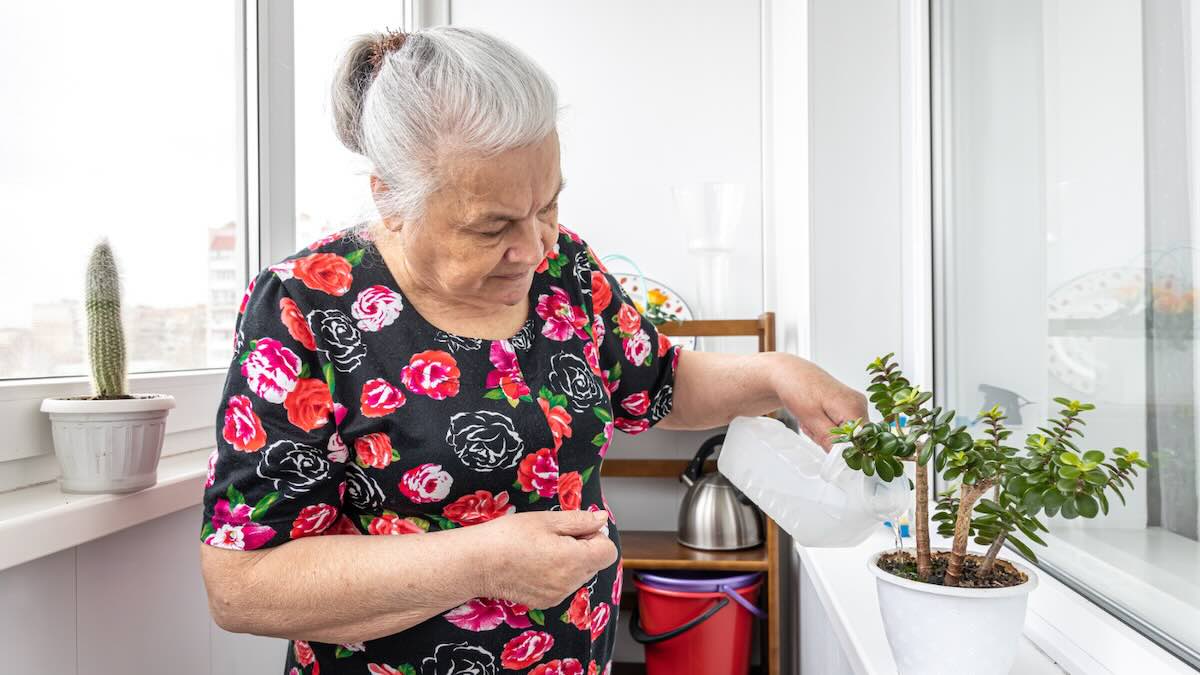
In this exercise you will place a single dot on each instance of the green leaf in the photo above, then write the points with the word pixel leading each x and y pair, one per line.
pixel 341 652
pixel 533 497
pixel 206 531
pixel 1032 501
pixel 536 616
pixel 366 521
pixel 587 473
pixel 1103 502
pixel 406 669
pixel 263 504
pixel 1068 458
pixel 925 454
pixel 602 414
pixel 234 496
pixel 1068 510
pixel 868 468
pixel 599 439
pixel 304 370
pixel 1094 456
pixel 355 257
pixel 494 394
pixel 884 468
pixel 329 378
pixel 1086 506
pixel 1065 485
pixel 1023 548
pixel 517 484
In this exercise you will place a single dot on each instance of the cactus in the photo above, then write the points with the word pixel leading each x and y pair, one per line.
pixel 106 339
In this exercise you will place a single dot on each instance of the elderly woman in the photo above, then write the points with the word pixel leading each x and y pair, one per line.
pixel 452 372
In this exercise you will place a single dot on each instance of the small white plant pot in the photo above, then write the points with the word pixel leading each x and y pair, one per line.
pixel 108 445
pixel 941 630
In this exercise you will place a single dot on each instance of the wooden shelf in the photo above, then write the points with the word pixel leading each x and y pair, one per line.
pixel 629 668
pixel 649 468
pixel 650 550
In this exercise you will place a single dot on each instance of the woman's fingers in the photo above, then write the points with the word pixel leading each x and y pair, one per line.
pixel 578 523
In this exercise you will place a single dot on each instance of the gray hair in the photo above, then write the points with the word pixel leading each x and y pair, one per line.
pixel 446 91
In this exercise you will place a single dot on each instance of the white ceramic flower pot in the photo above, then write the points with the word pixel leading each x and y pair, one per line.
pixel 936 630
pixel 108 445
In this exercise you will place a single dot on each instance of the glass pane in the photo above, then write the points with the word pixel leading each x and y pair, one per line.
pixel 1068 178
pixel 332 183
pixel 119 120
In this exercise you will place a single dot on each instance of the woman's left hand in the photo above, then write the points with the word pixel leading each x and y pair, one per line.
pixel 816 399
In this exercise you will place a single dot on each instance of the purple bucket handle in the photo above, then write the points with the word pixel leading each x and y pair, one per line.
pixel 737 597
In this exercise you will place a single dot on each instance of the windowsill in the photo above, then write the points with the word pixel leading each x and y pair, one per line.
pixel 1063 630
pixel 41 519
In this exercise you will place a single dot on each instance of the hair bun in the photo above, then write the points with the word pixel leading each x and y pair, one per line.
pixel 358 68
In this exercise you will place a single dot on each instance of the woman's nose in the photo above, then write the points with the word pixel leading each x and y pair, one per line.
pixel 531 247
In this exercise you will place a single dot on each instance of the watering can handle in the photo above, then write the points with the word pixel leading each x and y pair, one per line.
pixel 637 270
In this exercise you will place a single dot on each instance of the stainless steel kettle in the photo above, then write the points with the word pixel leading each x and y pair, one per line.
pixel 715 515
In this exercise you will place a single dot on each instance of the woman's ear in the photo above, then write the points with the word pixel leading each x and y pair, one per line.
pixel 379 192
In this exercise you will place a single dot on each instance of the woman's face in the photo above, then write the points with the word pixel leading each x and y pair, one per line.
pixel 489 226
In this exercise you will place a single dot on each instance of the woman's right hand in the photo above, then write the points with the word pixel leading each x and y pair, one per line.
pixel 542 557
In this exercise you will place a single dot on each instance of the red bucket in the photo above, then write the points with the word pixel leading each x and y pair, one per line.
pixel 696 623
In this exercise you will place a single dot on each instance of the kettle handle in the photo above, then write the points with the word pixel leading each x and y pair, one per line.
pixel 694 468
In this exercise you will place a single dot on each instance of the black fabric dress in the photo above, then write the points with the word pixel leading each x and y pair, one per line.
pixel 345 412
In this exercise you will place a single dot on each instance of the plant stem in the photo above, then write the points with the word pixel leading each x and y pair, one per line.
pixel 968 495
pixel 990 559
pixel 921 520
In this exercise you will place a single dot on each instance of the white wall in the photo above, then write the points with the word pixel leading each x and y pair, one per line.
pixel 131 603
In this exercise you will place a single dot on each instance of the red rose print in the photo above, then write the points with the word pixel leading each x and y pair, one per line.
pixel 380 397
pixel 632 426
pixel 538 472
pixel 636 404
pixel 601 293
pixel 342 526
pixel 559 667
pixel 304 653
pixel 559 420
pixel 297 327
pixel 479 507
pixel 391 523
pixel 374 450
pixel 243 429
pixel 432 373
pixel 426 483
pixel 526 649
pixel 570 487
pixel 628 319
pixel 325 272
pixel 314 519
pixel 593 669
pixel 600 619
pixel 383 669
pixel 580 611
pixel 664 344
pixel 309 405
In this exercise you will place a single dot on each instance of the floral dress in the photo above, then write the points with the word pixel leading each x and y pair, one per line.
pixel 345 412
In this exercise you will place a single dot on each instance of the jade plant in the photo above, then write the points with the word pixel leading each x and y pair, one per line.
pixel 106 338
pixel 998 491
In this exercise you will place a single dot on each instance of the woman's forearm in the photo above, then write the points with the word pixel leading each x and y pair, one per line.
pixel 344 588
pixel 712 388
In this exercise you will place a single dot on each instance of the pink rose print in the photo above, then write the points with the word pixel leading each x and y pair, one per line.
pixel 314 519
pixel 600 619
pixel 636 404
pixel 304 653
pixel 608 434
pixel 376 307
pixel 271 369
pixel 327 239
pixel 432 373
pixel 559 667
pixel 538 472
pixel 338 453
pixel 562 320
pixel 632 426
pixel 343 526
pixel 375 450
pixel 426 483
pixel 246 296
pixel 212 468
pixel 620 579
pixel 233 528
pixel 526 649
pixel 592 356
pixel 637 347
pixel 480 614
pixel 380 398
pixel 506 378
pixel 603 530
pixel 383 669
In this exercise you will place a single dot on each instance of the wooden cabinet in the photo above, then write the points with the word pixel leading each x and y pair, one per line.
pixel 654 550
